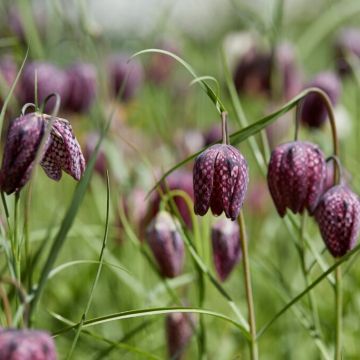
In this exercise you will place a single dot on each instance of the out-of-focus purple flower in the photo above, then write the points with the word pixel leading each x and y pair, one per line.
pixel 296 176
pixel 347 44
pixel 50 79
pixel 26 345
pixel 61 151
pixel 257 200
pixel 338 216
pixel 8 72
pixel 313 111
pixel 179 329
pixel 254 74
pixel 124 76
pixel 101 163
pixel 82 84
pixel 188 142
pixel 220 179
pixel 166 244
pixel 161 66
pixel 213 135
pixel 329 181
pixel 225 237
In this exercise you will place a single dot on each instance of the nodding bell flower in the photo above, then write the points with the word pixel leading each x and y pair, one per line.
pixel 313 111
pixel 26 345
pixel 296 176
pixel 220 178
pixel 166 244
pixel 225 237
pixel 179 329
pixel 338 216
pixel 61 151
pixel 82 87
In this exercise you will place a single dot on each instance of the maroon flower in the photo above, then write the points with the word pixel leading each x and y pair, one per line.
pixel 220 180
pixel 313 111
pixel 61 151
pixel 225 237
pixel 26 345
pixel 179 329
pixel 125 76
pixel 82 87
pixel 296 176
pixel 22 142
pixel 8 72
pixel 338 216
pixel 50 79
pixel 166 244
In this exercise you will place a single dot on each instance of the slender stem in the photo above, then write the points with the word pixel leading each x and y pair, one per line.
pixel 248 288
pixel 225 134
pixel 338 305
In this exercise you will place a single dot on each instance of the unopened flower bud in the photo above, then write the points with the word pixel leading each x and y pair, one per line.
pixel 166 244
pixel 225 237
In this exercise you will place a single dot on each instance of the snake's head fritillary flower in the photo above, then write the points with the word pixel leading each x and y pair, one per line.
pixel 347 43
pixel 179 329
pixel 82 82
pixel 124 76
pixel 296 176
pixel 49 79
pixel 338 216
pixel 313 111
pixel 22 142
pixel 26 345
pixel 166 244
pixel 225 237
pixel 63 153
pixel 220 179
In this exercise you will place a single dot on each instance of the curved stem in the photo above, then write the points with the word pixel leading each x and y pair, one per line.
pixel 338 305
pixel 248 288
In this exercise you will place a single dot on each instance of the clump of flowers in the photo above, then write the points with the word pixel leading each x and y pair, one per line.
pixel 61 151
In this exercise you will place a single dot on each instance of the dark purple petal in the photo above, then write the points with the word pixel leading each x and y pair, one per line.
pixel 338 216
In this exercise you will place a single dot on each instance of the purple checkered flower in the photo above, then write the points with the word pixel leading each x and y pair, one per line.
pixel 220 178
pixel 61 151
pixel 26 345
pixel 166 244
pixel 225 237
pixel 296 176
pixel 338 216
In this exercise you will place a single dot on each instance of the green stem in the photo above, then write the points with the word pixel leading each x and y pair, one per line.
pixel 338 306
pixel 248 288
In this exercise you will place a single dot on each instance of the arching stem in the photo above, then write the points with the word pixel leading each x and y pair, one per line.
pixel 225 134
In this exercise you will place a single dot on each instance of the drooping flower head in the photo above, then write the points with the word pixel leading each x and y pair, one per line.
pixel 220 178
pixel 61 151
pixel 166 244
pixel 313 110
pixel 82 82
pixel 296 176
pixel 338 216
pixel 225 237
pixel 26 345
